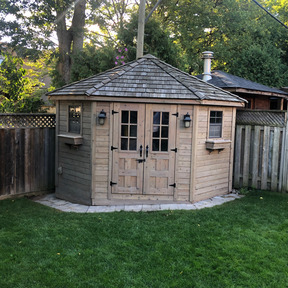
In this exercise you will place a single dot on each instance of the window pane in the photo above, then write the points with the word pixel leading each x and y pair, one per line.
pixel 155 145
pixel 164 132
pixel 165 118
pixel 215 131
pixel 133 117
pixel 156 117
pixel 164 145
pixel 156 131
pixel 133 130
pixel 74 119
pixel 133 144
pixel 124 144
pixel 125 116
pixel 124 130
pixel 215 127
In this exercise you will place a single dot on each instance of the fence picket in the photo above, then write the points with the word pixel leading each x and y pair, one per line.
pixel 246 156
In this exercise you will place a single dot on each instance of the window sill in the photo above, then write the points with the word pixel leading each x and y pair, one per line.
pixel 71 139
pixel 216 144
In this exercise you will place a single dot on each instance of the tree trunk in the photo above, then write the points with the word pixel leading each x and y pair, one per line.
pixel 71 40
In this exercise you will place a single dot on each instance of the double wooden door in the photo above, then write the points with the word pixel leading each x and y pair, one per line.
pixel 143 149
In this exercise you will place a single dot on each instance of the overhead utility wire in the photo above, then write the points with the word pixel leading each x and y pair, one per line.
pixel 270 13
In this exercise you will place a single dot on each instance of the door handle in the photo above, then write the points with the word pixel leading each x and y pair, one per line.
pixel 147 150
pixel 141 150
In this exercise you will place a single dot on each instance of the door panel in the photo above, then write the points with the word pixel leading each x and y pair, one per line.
pixel 159 172
pixel 144 135
pixel 128 136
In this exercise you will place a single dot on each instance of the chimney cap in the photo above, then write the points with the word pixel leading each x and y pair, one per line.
pixel 207 55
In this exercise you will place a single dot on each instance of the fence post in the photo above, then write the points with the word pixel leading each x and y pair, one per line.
pixel 284 162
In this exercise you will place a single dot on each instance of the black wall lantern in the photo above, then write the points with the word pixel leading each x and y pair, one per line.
pixel 187 120
pixel 102 117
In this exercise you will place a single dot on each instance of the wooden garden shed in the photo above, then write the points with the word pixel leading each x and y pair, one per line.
pixel 144 132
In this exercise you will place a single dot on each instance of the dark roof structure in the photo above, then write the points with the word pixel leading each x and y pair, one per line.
pixel 147 77
pixel 237 84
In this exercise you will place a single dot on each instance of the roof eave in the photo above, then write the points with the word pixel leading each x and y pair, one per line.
pixel 256 92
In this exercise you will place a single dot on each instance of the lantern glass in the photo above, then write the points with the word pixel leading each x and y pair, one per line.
pixel 187 120
pixel 102 117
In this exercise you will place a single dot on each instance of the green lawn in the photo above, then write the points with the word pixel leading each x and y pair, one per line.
pixel 243 243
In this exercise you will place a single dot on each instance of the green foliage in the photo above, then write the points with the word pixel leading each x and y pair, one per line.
pixel 242 243
pixel 261 64
pixel 157 41
pixel 17 89
pixel 236 31
pixel 92 61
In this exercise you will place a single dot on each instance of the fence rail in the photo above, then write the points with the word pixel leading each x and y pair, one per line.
pixel 27 155
pixel 260 145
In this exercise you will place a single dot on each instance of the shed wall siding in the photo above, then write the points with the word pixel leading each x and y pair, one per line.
pixel 101 166
pixel 74 184
pixel 183 156
pixel 213 169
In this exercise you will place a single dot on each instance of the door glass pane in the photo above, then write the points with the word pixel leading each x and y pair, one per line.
pixel 164 132
pixel 160 123
pixel 165 118
pixel 129 130
pixel 156 117
pixel 125 116
pixel 124 144
pixel 156 131
pixel 124 130
pixel 133 131
pixel 155 145
pixel 164 145
pixel 133 144
pixel 133 117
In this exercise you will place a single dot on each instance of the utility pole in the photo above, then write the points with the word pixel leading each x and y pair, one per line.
pixel 141 26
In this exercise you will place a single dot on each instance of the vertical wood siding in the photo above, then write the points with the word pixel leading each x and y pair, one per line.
pixel 212 169
pixel 74 183
pixel 100 151
pixel 183 156
pixel 26 161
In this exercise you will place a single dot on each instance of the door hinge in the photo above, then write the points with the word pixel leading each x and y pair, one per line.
pixel 175 150
pixel 112 183
pixel 113 148
pixel 114 112
pixel 176 114
pixel 173 185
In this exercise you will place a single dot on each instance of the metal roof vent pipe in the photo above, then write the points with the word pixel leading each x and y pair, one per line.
pixel 207 56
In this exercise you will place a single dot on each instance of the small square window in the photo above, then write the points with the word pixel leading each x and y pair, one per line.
pixel 215 126
pixel 74 125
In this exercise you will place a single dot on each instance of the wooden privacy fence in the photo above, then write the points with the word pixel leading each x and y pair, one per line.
pixel 27 154
pixel 260 158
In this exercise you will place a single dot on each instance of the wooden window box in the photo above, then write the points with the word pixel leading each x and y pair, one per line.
pixel 71 139
pixel 216 144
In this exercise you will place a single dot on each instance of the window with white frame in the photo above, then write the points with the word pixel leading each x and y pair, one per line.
pixel 215 126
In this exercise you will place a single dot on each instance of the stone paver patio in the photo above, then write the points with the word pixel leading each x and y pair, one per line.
pixel 65 206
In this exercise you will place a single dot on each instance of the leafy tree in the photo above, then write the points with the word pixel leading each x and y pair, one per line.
pixel 230 29
pixel 16 90
pixel 35 21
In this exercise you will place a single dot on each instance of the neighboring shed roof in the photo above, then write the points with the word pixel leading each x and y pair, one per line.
pixel 225 81
pixel 147 77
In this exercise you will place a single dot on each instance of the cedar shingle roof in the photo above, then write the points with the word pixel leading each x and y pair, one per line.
pixel 147 77
pixel 225 80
